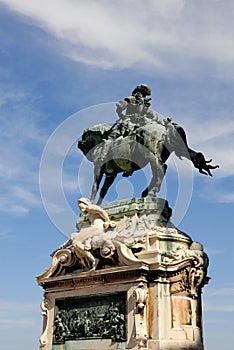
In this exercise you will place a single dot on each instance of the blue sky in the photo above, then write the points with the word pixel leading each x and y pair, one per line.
pixel 63 64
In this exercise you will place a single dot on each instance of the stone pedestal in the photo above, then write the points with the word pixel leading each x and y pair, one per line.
pixel 135 285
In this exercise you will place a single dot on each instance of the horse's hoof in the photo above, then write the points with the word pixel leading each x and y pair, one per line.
pixel 144 194
pixel 127 173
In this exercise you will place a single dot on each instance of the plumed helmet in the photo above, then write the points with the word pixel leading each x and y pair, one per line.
pixel 143 89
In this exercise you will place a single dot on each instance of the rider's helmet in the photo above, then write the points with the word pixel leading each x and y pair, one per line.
pixel 143 89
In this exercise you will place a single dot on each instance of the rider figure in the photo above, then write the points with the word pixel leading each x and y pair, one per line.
pixel 137 113
pixel 137 110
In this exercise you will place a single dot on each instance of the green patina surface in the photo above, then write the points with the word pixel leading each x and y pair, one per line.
pixel 96 317
pixel 150 205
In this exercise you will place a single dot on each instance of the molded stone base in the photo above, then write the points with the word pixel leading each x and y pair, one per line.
pixel 153 282
pixel 174 345
pixel 100 344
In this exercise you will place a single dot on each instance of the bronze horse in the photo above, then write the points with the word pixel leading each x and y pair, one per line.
pixel 151 144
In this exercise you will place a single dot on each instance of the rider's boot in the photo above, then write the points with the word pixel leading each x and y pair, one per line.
pixel 104 151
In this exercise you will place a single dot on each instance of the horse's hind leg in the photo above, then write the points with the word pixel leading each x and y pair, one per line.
pixel 158 171
pixel 107 183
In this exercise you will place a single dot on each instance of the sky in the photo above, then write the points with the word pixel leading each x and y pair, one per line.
pixel 63 66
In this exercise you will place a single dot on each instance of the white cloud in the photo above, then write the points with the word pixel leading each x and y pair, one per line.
pixel 9 96
pixel 227 197
pixel 219 300
pixel 213 251
pixel 167 34
pixel 19 323
pixel 19 199
pixel 218 308
pixel 16 314
pixel 214 138
pixel 15 306
pixel 9 207
pixel 20 141
pixel 227 291
pixel 25 195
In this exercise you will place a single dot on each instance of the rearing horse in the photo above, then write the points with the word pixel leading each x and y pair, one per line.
pixel 149 144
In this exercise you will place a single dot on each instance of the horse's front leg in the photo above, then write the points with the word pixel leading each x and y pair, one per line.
pixel 98 173
pixel 107 183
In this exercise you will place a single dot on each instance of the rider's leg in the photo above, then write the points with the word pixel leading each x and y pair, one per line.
pixel 104 151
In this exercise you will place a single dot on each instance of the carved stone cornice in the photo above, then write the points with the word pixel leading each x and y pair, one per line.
pixel 100 277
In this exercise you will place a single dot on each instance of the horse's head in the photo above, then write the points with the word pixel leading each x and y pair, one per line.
pixel 92 137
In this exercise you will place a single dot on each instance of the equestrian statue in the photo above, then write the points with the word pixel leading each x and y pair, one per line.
pixel 139 137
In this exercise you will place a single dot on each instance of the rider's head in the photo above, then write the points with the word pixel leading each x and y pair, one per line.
pixel 143 89
pixel 83 204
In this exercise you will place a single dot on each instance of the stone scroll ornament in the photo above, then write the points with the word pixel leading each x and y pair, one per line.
pixel 141 296
pixel 193 276
pixel 44 312
pixel 139 137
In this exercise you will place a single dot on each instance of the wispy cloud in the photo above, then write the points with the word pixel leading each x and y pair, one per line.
pixel 17 315
pixel 9 96
pixel 165 35
pixel 18 199
pixel 8 306
pixel 214 136
pixel 225 197
pixel 218 308
pixel 20 140
pixel 19 323
pixel 168 34
pixel 219 189
pixel 227 291
pixel 213 251
pixel 219 300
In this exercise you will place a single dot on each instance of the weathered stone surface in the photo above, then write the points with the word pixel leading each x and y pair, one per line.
pixel 140 261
